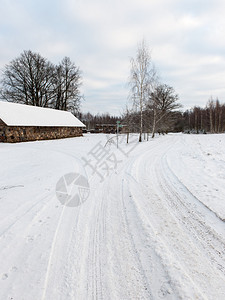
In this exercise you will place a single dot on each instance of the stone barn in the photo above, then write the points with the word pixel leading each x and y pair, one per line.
pixel 20 123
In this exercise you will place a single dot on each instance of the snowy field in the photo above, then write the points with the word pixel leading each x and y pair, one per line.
pixel 81 219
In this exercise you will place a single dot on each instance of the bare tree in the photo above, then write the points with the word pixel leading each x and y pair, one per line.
pixel 142 76
pixel 31 79
pixel 28 80
pixel 162 104
pixel 67 86
pixel 211 111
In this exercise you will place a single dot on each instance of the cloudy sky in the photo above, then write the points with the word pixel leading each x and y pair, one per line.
pixel 186 38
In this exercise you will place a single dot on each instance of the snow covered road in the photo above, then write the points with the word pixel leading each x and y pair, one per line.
pixel 151 228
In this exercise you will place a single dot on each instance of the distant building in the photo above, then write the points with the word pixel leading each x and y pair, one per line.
pixel 105 128
pixel 20 123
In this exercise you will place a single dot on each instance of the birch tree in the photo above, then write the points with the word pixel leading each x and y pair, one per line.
pixel 142 76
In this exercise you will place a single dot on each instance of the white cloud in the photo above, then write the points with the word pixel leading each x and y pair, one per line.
pixel 186 38
pixel 53 49
pixel 188 22
pixel 95 84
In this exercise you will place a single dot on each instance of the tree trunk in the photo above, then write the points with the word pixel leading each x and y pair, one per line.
pixel 141 125
pixel 220 118
pixel 211 119
pixel 154 124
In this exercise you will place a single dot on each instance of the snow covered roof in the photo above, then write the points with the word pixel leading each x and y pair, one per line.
pixel 14 114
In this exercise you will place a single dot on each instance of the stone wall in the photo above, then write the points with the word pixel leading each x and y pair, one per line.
pixel 2 123
pixel 14 134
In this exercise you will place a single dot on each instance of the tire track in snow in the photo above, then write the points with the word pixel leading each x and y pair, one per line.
pixel 94 257
pixel 187 204
pixel 166 225
pixel 146 277
pixel 149 266
pixel 119 273
pixel 127 269
pixel 51 255
pixel 173 271
pixel 132 237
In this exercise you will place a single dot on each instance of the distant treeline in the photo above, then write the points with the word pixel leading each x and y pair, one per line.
pixel 209 119
pixel 91 120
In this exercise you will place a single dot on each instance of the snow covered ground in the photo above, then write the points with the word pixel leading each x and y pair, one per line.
pixel 150 223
